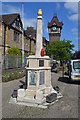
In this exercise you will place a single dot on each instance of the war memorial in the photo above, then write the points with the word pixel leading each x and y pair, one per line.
pixel 39 91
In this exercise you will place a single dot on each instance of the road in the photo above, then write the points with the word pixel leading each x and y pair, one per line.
pixel 66 107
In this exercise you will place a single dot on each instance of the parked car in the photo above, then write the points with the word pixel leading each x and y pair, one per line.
pixel 73 70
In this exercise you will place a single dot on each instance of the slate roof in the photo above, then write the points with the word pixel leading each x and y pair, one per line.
pixel 30 32
pixel 45 42
pixel 9 18
pixel 55 20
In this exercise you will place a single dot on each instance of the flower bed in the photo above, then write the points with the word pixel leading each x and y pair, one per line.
pixel 7 76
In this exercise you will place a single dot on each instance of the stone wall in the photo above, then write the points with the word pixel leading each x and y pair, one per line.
pixel 10 38
pixel 0 53
pixel 28 45
pixel 33 46
pixel 54 37
pixel 11 41
pixel 3 34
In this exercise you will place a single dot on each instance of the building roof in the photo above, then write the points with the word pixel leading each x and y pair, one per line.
pixel 55 20
pixel 8 19
pixel 45 42
pixel 30 32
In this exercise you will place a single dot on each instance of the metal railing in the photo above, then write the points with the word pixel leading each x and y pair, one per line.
pixel 11 61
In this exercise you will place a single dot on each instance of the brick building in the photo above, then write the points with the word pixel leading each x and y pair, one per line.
pixel 54 29
pixel 30 42
pixel 30 32
pixel 11 32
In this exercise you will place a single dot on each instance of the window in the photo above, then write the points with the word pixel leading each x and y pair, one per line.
pixel 16 36
pixel 76 65
pixel 17 23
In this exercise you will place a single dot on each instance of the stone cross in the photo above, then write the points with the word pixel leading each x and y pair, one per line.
pixel 39 34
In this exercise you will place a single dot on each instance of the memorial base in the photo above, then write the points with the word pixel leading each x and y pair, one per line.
pixel 39 101
pixel 38 84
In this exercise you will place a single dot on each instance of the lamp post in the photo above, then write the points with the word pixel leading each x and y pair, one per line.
pixel 23 36
pixel 26 72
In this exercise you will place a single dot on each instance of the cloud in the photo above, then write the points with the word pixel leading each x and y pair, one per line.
pixel 7 9
pixel 73 17
pixel 75 31
pixel 72 8
pixel 29 22
pixel 57 5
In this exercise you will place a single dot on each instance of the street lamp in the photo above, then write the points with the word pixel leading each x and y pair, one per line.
pixel 23 36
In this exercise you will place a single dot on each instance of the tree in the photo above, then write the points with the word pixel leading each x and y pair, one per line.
pixel 14 51
pixel 61 50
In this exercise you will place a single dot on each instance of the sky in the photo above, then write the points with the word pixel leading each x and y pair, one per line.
pixel 67 12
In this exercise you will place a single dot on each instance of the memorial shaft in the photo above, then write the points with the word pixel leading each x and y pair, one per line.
pixel 39 34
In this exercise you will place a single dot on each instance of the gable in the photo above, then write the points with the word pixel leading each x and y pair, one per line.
pixel 8 19
pixel 54 22
pixel 17 23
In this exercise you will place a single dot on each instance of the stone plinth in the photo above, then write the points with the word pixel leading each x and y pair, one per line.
pixel 39 79
pixel 39 73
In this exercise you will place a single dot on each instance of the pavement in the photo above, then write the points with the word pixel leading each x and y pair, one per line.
pixel 66 107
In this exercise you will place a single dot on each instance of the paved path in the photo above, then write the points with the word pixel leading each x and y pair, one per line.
pixel 66 107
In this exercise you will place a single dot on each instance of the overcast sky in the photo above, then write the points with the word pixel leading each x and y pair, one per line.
pixel 67 12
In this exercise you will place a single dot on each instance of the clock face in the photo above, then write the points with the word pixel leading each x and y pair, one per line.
pixel 54 28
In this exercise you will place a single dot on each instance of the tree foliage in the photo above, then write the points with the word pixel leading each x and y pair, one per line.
pixel 14 51
pixel 61 50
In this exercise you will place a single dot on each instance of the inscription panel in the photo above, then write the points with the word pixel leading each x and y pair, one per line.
pixel 32 78
pixel 41 63
pixel 41 77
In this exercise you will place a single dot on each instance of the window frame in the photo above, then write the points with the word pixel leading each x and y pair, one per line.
pixel 17 36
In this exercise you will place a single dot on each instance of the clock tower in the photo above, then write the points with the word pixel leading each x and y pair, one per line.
pixel 54 29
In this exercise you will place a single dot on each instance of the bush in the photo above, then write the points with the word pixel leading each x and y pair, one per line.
pixel 11 76
pixel 26 54
pixel 6 77
pixel 14 51
pixel 33 53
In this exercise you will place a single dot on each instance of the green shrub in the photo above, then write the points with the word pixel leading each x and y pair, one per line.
pixel 14 51
pixel 7 75
pixel 33 53
pixel 26 54
pixel 11 76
